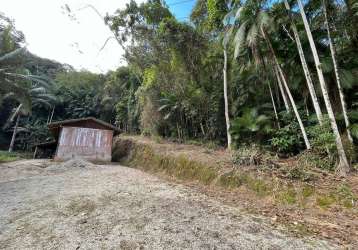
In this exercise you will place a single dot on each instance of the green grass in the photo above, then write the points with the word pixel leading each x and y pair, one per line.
pixel 7 157
pixel 181 167
pixel 307 191
pixel 289 196
pixel 325 201
pixel 345 196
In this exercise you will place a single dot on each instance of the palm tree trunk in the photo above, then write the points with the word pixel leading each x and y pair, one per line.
pixel 227 118
pixel 53 111
pixel 283 94
pixel 12 143
pixel 343 166
pixel 274 106
pixel 340 90
pixel 311 88
pixel 298 117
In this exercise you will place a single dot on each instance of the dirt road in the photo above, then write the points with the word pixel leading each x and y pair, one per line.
pixel 114 207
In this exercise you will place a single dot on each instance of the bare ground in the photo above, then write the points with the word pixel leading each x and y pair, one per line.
pixel 49 206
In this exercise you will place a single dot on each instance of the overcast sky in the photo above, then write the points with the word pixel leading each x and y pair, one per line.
pixel 50 33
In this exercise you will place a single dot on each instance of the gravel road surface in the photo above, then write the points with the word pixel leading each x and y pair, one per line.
pixel 74 205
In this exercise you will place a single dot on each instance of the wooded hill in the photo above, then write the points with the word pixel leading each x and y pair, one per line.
pixel 281 75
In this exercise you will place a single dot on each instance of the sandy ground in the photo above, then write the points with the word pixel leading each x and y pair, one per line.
pixel 49 206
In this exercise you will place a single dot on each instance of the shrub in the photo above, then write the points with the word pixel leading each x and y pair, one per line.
pixel 322 138
pixel 287 140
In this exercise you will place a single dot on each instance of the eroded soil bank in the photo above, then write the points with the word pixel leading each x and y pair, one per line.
pixel 115 207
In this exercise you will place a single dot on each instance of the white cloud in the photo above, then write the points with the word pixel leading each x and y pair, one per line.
pixel 50 33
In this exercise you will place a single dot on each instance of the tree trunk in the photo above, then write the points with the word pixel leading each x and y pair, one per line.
pixel 284 97
pixel 311 88
pixel 52 112
pixel 343 166
pixel 298 117
pixel 335 65
pixel 274 106
pixel 227 118
pixel 12 143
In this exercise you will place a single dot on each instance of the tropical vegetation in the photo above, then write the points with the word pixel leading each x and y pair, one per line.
pixel 278 74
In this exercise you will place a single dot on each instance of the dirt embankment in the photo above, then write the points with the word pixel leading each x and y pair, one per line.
pixel 77 205
pixel 324 206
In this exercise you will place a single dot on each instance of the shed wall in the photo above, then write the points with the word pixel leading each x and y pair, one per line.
pixel 88 143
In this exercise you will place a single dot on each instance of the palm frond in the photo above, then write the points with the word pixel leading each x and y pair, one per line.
pixel 239 38
pixel 227 36
pixel 251 37
pixel 12 54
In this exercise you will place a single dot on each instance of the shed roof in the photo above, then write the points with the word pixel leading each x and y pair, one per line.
pixel 88 122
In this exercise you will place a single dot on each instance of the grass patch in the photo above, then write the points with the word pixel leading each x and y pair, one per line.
pixel 5 156
pixel 307 191
pixel 181 167
pixel 259 186
pixel 143 156
pixel 325 201
pixel 233 179
pixel 289 196
pixel 345 196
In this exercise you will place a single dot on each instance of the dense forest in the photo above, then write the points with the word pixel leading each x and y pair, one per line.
pixel 280 75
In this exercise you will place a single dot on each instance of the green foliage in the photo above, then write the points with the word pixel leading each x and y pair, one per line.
pixel 173 84
pixel 5 156
pixel 216 9
pixel 322 138
pixel 250 124
pixel 8 157
pixel 287 140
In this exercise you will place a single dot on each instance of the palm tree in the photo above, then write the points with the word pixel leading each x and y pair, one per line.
pixel 311 88
pixel 38 96
pixel 251 25
pixel 282 91
pixel 227 118
pixel 343 166
pixel 335 66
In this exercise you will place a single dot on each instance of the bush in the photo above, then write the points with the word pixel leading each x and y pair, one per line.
pixel 322 138
pixel 287 140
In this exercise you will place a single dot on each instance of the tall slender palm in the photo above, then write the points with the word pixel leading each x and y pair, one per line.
pixel 250 26
pixel 306 71
pixel 335 65
pixel 282 91
pixel 343 166
pixel 227 117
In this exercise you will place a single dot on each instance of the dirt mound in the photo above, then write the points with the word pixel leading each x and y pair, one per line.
pixel 71 164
